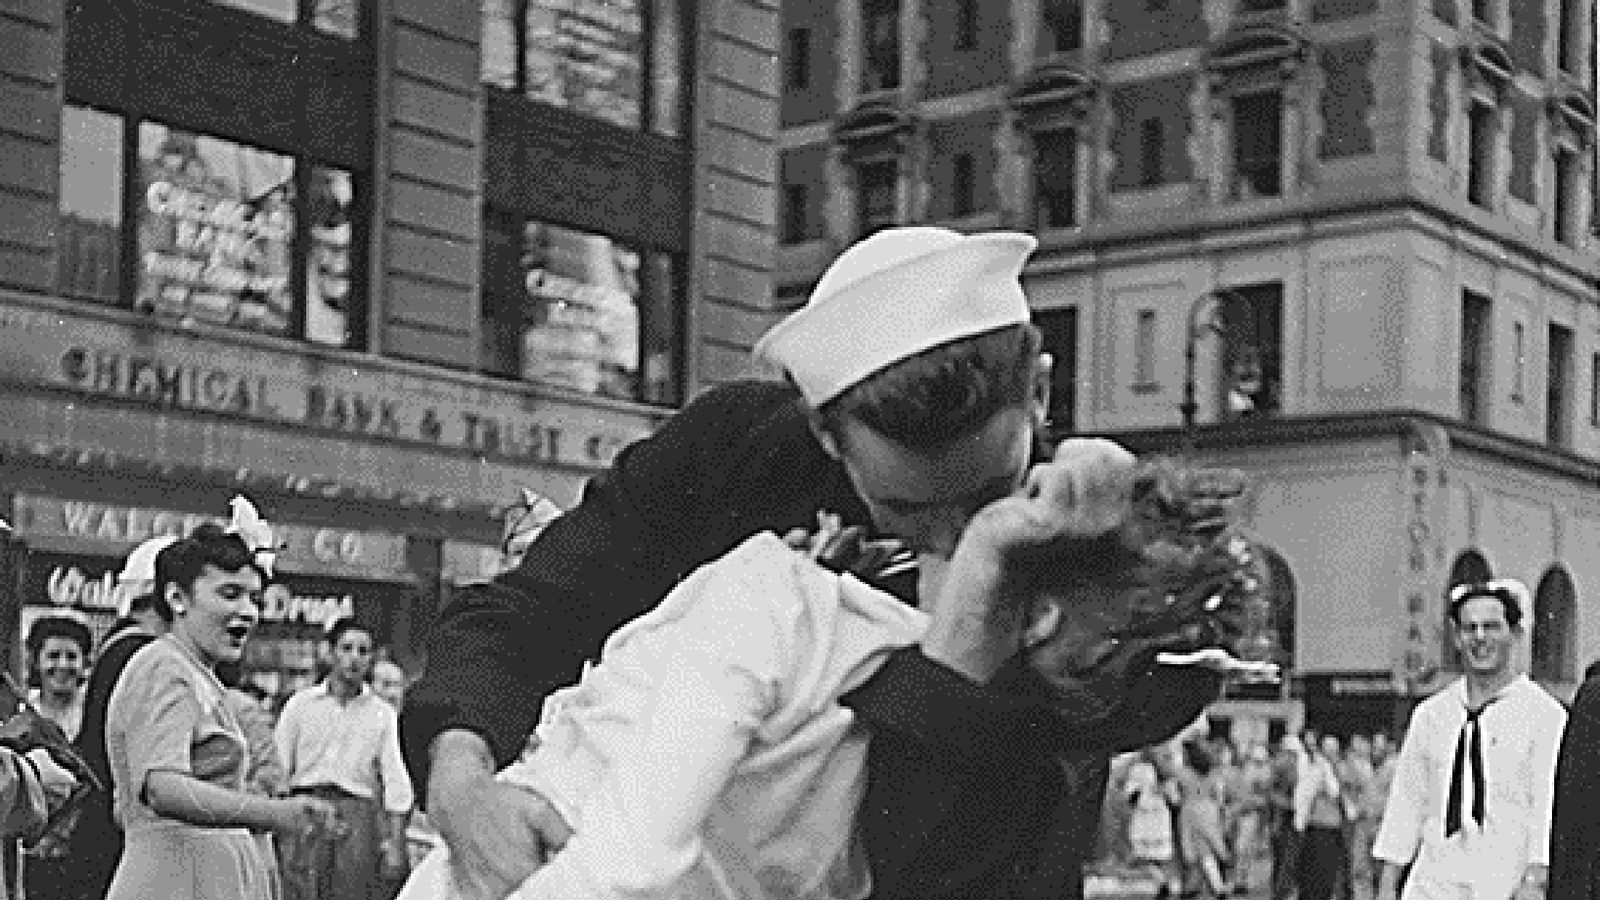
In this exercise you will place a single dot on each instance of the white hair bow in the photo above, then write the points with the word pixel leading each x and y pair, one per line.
pixel 256 533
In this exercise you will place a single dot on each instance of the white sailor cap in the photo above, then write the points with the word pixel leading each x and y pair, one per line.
pixel 894 295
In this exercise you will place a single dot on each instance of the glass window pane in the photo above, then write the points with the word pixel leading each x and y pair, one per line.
pixel 215 220
pixel 329 271
pixel 499 59
pixel 586 56
pixel 90 231
pixel 277 10
pixel 660 330
pixel 340 18
pixel 666 64
pixel 581 322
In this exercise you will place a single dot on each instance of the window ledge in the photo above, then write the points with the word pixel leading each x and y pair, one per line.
pixel 1146 388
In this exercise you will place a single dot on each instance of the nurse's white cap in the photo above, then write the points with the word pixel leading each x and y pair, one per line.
pixel 894 295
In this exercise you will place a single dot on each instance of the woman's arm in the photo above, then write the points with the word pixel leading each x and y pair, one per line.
pixel 181 796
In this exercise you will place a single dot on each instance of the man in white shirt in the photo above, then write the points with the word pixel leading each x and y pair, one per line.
pixel 340 741
pixel 1475 781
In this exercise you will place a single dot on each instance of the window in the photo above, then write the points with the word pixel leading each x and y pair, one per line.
pixel 1519 362
pixel 1594 390
pixel 1152 152
pixel 1483 10
pixel 963 188
pixel 1063 20
pixel 622 61
pixel 581 311
pixel 1252 350
pixel 1475 319
pixel 797 60
pixel 1060 330
pixel 880 54
pixel 1551 650
pixel 1055 178
pixel 966 37
pixel 340 18
pixel 191 227
pixel 1480 155
pixel 1558 388
pixel 877 196
pixel 1144 349
pixel 1569 40
pixel 796 213
pixel 1258 145
pixel 1250 6
pixel 1569 182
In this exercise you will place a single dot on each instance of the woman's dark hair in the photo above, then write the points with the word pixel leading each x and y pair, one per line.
pixel 1197 758
pixel 942 394
pixel 58 627
pixel 207 545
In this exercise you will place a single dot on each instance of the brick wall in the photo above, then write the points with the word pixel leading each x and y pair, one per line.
pixel 430 172
pixel 735 228
pixel 30 129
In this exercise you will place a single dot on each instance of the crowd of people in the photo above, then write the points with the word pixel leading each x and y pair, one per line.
pixel 209 791
pixel 1212 817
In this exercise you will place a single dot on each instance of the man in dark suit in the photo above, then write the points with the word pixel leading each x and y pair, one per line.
pixel 917 395
pixel 1575 819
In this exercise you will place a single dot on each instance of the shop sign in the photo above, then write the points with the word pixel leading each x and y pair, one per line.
pixel 97 359
pixel 1351 684
pixel 89 584
pixel 304 546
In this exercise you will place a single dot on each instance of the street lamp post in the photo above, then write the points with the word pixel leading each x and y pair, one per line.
pixel 1203 304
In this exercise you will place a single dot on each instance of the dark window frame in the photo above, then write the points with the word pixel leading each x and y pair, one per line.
pixel 109 68
pixel 1559 351
pixel 1064 20
pixel 1477 322
pixel 1262 170
pixel 1483 128
pixel 1056 181
pixel 963 185
pixel 1152 152
pixel 965 37
pixel 1060 327
pixel 1568 182
pixel 1252 317
pixel 1569 37
pixel 866 221
pixel 796 213
pixel 505 225
pixel 797 59
pixel 1594 390
pixel 688 14
pixel 880 53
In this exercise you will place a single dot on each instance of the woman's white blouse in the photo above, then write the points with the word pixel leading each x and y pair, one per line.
pixel 707 755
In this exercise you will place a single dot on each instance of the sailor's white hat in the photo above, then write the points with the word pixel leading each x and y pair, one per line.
pixel 894 295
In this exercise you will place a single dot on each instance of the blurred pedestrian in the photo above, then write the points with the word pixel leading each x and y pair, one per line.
pixel 1286 766
pixel 1473 790
pixel 339 741
pixel 1150 825
pixel 1365 806
pixel 389 682
pixel 58 648
pixel 1202 835
pixel 1319 812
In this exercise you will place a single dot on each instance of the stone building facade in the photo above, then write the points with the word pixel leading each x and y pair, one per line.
pixel 1371 221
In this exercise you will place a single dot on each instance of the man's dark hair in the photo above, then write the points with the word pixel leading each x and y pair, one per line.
pixel 347 624
pixel 48 627
pixel 152 602
pixel 944 393
pixel 1490 591
pixel 207 545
